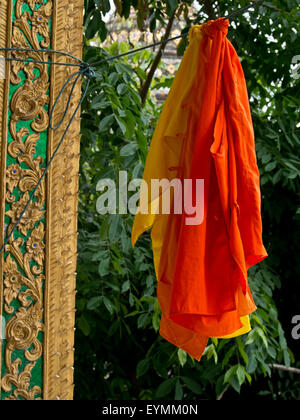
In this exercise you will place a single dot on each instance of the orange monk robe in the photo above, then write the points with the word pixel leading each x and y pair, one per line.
pixel 205 132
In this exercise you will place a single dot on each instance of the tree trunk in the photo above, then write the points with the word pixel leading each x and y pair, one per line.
pixel 145 87
pixel 209 9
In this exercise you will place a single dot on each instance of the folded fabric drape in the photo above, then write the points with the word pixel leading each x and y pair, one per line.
pixel 205 132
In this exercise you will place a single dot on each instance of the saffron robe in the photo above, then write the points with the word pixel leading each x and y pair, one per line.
pixel 205 132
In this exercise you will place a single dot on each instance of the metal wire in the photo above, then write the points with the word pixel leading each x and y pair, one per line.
pixel 86 70
pixel 155 44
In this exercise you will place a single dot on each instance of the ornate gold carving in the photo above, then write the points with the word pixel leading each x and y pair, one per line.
pixel 61 242
pixel 21 382
pixel 5 41
pixel 23 271
pixel 29 100
pixel 39 270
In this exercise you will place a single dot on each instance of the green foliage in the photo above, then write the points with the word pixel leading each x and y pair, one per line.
pixel 119 352
pixel 148 13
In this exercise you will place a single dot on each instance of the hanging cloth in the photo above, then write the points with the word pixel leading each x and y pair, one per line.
pixel 205 132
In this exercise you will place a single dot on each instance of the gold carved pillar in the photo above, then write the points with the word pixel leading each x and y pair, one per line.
pixel 38 266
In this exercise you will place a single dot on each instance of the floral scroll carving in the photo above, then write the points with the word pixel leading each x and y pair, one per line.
pixel 24 263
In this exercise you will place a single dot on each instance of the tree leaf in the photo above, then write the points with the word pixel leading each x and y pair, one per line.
pixel 230 373
pixel 266 158
pixel 94 302
pixel 156 322
pixel 251 337
pixel 84 326
pixel 108 305
pixel 172 6
pixel 93 25
pixel 99 103
pixel 182 45
pixel 178 391
pixel 182 357
pixel 220 386
pixel 165 388
pixel 113 78
pixel 262 336
pixel 241 348
pixel 272 352
pixel 122 124
pixel 103 268
pixel 252 365
pixel 142 367
pixel 125 286
pixel 192 385
pixel 128 150
pixel 227 356
pixel 114 227
pixel 235 384
pixel 286 358
pixel 122 89
pixel 142 320
pixel 270 166
pixel 240 373
pixel 123 68
pixel 106 122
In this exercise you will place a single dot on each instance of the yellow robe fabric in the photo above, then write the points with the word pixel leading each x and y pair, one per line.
pixel 164 157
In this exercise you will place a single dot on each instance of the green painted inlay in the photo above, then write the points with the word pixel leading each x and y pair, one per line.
pixel 41 150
